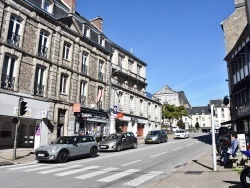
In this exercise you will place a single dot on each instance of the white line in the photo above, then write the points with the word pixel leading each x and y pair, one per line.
pixel 158 154
pixel 76 171
pixel 131 163
pixel 26 166
pixel 178 148
pixel 10 166
pixel 92 174
pixel 143 178
pixel 58 169
pixel 118 175
pixel 190 144
pixel 44 167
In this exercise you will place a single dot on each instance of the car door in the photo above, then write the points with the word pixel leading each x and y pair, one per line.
pixel 74 148
pixel 130 139
pixel 86 144
pixel 124 141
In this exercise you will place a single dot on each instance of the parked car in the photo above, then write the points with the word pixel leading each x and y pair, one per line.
pixel 66 147
pixel 181 133
pixel 118 142
pixel 156 136
pixel 175 128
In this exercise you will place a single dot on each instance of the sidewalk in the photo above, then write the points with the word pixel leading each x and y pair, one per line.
pixel 196 174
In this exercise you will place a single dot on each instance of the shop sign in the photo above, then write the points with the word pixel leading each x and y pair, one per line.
pixel 119 115
pixel 91 116
pixel 28 112
pixel 77 107
pixel 243 110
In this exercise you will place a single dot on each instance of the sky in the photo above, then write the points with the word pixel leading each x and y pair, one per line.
pixel 181 41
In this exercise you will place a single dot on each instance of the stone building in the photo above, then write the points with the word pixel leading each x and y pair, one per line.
pixel 237 34
pixel 53 59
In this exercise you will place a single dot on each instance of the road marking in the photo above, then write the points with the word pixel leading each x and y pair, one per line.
pixel 76 171
pixel 92 174
pixel 59 169
pixel 10 166
pixel 131 163
pixel 190 144
pixel 44 167
pixel 143 178
pixel 26 166
pixel 158 154
pixel 118 175
pixel 178 148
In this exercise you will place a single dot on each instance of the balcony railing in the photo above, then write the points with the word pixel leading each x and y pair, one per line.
pixel 100 76
pixel 43 51
pixel 39 90
pixel 13 39
pixel 99 104
pixel 7 82
pixel 83 100
pixel 84 69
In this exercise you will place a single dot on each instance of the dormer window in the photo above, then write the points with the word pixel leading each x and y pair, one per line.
pixel 139 70
pixel 101 40
pixel 86 31
pixel 47 6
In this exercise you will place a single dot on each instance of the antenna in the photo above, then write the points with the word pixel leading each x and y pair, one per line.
pixel 131 50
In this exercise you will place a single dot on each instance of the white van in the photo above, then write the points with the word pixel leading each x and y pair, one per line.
pixel 174 128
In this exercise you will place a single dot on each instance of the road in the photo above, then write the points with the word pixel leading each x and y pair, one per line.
pixel 141 167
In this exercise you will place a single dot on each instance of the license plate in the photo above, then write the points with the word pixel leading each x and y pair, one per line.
pixel 102 146
pixel 40 154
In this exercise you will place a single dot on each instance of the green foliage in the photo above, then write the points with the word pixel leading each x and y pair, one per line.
pixel 171 112
pixel 197 125
pixel 181 124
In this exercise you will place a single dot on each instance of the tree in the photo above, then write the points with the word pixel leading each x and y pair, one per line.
pixel 181 124
pixel 197 125
pixel 171 112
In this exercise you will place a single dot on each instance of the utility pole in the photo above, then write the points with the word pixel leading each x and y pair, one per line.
pixel 213 140
pixel 17 125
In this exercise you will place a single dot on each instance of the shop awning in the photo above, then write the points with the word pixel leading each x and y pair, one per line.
pixel 227 122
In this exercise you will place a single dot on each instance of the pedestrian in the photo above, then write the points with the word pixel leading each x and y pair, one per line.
pixel 81 133
pixel 232 150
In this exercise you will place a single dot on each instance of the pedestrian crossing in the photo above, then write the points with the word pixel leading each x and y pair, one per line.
pixel 81 172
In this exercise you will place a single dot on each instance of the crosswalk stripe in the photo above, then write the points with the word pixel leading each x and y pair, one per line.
pixel 27 166
pixel 58 169
pixel 76 171
pixel 143 178
pixel 118 175
pixel 90 175
pixel 44 167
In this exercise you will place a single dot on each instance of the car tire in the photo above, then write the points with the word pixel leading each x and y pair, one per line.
pixel 93 152
pixel 134 145
pixel 63 157
pixel 146 142
pixel 159 141
pixel 118 147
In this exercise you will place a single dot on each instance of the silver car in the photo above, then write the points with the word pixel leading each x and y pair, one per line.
pixel 156 136
pixel 118 142
pixel 66 147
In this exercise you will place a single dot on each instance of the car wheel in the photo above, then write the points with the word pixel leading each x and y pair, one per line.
pixel 135 145
pixel 159 141
pixel 118 147
pixel 93 152
pixel 146 143
pixel 63 157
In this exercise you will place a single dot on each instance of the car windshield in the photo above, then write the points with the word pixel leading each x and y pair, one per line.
pixel 180 131
pixel 63 140
pixel 153 132
pixel 113 136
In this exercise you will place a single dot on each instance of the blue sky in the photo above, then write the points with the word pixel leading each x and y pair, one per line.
pixel 181 41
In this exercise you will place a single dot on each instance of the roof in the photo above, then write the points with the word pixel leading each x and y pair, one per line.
pixel 165 90
pixel 198 110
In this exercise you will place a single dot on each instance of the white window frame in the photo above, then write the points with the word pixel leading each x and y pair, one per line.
pixel 44 41
pixel 63 84
pixel 66 50
pixel 86 31
pixel 102 40
pixel 84 60
pixel 15 29
pixel 139 70
pixel 47 6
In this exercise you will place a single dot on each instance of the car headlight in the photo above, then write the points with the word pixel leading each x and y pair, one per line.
pixel 154 138
pixel 53 150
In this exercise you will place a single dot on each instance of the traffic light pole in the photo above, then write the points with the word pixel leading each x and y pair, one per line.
pixel 213 140
pixel 17 125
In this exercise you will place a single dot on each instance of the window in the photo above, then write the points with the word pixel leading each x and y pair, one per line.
pixel 100 74
pixel 130 66
pixel 47 6
pixel 66 48
pixel 8 78
pixel 101 40
pixel 84 63
pixel 42 48
pixel 138 70
pixel 82 93
pixel 39 87
pixel 14 29
pixel 86 31
pixel 99 97
pixel 120 60
pixel 63 85
pixel 141 107
pixel 131 105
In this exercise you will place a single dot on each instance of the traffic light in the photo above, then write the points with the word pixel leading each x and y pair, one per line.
pixel 23 108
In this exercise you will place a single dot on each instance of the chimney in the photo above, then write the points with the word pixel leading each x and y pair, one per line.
pixel 97 22
pixel 71 4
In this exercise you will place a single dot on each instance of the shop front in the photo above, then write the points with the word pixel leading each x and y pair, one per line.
pixel 91 122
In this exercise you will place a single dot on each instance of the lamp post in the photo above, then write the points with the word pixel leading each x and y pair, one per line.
pixel 213 139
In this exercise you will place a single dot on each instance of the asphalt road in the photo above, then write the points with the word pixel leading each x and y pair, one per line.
pixel 141 167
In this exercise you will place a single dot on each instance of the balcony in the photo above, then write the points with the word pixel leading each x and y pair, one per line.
pixel 99 105
pixel 39 90
pixel 120 108
pixel 14 39
pixel 141 113
pixel 100 76
pixel 83 100
pixel 7 82
pixel 84 69
pixel 132 111
pixel 43 52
